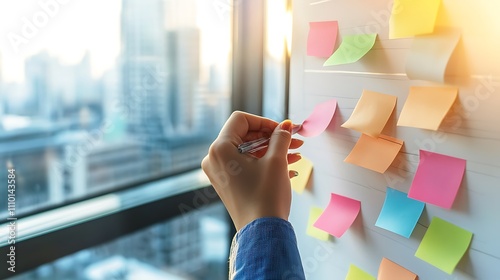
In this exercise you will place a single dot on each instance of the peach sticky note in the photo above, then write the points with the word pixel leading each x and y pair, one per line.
pixel 319 119
pixel 437 179
pixel 410 17
pixel 429 55
pixel 426 107
pixel 338 215
pixel 356 273
pixel 389 270
pixel 375 154
pixel 444 244
pixel 322 37
pixel 304 167
pixel 399 213
pixel 352 49
pixel 371 113
pixel 314 214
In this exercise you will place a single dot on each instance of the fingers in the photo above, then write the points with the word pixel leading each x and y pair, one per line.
pixel 240 124
pixel 295 143
pixel 293 173
pixel 292 158
pixel 280 141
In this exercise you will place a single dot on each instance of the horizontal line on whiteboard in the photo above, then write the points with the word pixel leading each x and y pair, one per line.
pixel 319 2
pixel 381 73
pixel 355 72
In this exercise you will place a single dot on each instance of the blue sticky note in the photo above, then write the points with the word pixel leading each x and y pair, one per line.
pixel 399 213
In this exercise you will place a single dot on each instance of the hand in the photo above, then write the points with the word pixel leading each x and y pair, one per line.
pixel 258 185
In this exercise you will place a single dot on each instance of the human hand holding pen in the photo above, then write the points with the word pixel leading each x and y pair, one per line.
pixel 257 185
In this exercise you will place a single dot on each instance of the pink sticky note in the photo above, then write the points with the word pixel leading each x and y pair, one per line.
pixel 437 179
pixel 321 38
pixel 338 215
pixel 319 119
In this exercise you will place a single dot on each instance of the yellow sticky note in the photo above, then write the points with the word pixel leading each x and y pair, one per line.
pixel 356 273
pixel 429 54
pixel 314 214
pixel 375 154
pixel 371 113
pixel 411 17
pixel 304 166
pixel 444 244
pixel 426 107
pixel 389 270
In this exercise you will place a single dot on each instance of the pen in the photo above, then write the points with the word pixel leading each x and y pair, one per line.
pixel 259 144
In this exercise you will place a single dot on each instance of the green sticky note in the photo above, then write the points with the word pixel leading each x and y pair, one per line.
pixel 314 214
pixel 356 273
pixel 444 244
pixel 352 48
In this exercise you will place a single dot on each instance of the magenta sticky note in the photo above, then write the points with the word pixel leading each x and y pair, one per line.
pixel 321 38
pixel 319 119
pixel 437 179
pixel 338 215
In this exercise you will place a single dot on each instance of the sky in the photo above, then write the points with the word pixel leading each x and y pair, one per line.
pixel 67 33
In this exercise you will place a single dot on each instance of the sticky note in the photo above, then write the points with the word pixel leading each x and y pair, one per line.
pixel 443 245
pixel 437 179
pixel 399 213
pixel 429 55
pixel 338 215
pixel 426 107
pixel 356 273
pixel 321 38
pixel 352 48
pixel 389 270
pixel 314 214
pixel 371 113
pixel 319 119
pixel 410 17
pixel 304 167
pixel 375 154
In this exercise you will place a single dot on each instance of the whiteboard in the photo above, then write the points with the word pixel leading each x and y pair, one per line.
pixel 470 131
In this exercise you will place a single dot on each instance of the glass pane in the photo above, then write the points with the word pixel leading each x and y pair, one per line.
pixel 191 247
pixel 99 94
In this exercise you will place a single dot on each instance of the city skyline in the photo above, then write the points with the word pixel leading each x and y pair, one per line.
pixel 155 112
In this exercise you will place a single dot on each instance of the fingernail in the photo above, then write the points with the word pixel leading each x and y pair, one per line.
pixel 297 154
pixel 296 128
pixel 295 173
pixel 286 125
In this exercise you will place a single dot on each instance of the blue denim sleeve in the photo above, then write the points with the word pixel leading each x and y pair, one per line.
pixel 266 248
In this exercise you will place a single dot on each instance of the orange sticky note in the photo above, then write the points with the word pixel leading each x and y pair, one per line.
pixel 304 167
pixel 371 113
pixel 426 107
pixel 410 17
pixel 375 154
pixel 389 270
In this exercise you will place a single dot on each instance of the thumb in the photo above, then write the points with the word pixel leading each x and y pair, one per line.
pixel 280 140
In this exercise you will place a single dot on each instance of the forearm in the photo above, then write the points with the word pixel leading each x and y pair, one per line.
pixel 266 248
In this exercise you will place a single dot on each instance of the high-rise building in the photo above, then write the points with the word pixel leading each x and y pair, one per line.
pixel 144 69
pixel 183 64
pixel 57 91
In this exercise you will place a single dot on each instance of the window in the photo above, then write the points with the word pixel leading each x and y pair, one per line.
pixel 98 95
pixel 192 246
